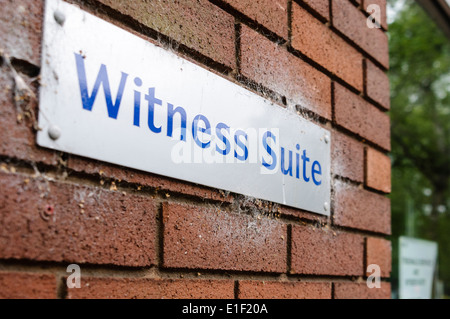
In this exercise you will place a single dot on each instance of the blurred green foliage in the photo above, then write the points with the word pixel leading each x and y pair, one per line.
pixel 420 127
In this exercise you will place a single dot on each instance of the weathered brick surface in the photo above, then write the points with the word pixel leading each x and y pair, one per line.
pixel 17 285
pixel 18 140
pixel 352 22
pixel 378 170
pixel 382 5
pixel 283 290
pixel 21 28
pixel 272 66
pixel 322 7
pixel 271 14
pixel 347 157
pixel 362 118
pixel 86 225
pixel 198 24
pixel 377 85
pixel 378 252
pixel 357 208
pixel 323 251
pixel 144 288
pixel 321 44
pixel 353 290
pixel 160 183
pixel 196 237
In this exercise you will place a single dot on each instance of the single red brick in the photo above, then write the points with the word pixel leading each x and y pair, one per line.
pixel 17 285
pixel 353 290
pixel 347 157
pixel 382 7
pixel 357 208
pixel 145 288
pixel 272 66
pixel 197 24
pixel 378 252
pixel 283 290
pixel 322 7
pixel 196 237
pixel 378 170
pixel 271 14
pixel 322 251
pixel 362 118
pixel 377 85
pixel 18 140
pixel 162 183
pixel 321 44
pixel 45 220
pixel 21 29
pixel 352 22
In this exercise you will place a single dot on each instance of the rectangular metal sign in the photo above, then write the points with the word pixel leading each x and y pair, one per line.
pixel 109 95
pixel 417 266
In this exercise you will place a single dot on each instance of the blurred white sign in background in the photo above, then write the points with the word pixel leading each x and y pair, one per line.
pixel 417 265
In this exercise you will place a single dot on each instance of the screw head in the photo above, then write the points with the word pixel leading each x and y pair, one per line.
pixel 325 206
pixel 327 138
pixel 54 132
pixel 60 18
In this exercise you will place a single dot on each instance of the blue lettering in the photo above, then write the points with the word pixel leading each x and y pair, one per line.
pixel 269 150
pixel 196 129
pixel 137 103
pixel 201 127
pixel 222 138
pixel 152 100
pixel 305 159
pixel 316 171
pixel 241 145
pixel 102 78
pixel 283 170
pixel 170 113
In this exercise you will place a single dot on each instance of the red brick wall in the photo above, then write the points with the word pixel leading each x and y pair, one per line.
pixel 136 234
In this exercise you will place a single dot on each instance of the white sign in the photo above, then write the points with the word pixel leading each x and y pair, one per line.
pixel 109 95
pixel 417 264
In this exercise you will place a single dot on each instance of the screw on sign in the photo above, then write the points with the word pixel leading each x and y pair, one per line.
pixel 60 18
pixel 54 132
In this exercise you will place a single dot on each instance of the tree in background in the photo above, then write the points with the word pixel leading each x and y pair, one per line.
pixel 420 117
